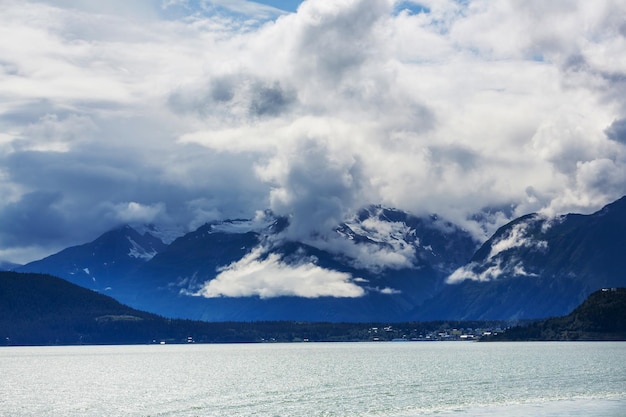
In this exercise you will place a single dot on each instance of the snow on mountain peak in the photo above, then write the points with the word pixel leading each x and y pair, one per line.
pixel 263 221
pixel 384 231
pixel 139 252
pixel 167 234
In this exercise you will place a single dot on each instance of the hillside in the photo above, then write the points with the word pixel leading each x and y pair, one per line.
pixel 536 267
pixel 601 317
pixel 103 264
pixel 381 265
pixel 40 309
pixel 388 260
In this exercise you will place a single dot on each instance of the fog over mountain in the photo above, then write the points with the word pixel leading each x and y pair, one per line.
pixel 182 112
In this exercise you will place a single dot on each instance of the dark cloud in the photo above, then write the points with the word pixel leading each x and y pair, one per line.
pixel 34 219
pixel 318 189
pixel 617 131
pixel 465 158
pixel 582 71
pixel 89 190
pixel 88 174
pixel 222 89
pixel 27 113
pixel 336 39
pixel 237 97
pixel 270 100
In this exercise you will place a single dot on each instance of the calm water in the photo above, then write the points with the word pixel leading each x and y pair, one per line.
pixel 316 379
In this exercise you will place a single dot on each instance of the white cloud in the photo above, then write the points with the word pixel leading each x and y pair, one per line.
pixel 388 291
pixel 246 7
pixel 490 273
pixel 373 257
pixel 516 237
pixel 268 276
pixel 313 114
pixel 133 212
pixel 51 134
pixel 390 245
pixel 497 264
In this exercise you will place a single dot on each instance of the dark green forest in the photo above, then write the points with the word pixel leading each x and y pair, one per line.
pixel 601 317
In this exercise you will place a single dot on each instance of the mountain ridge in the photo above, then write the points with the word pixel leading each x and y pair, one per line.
pixel 401 267
pixel 39 309
pixel 536 266
pixel 103 263
pixel 602 316
pixel 422 251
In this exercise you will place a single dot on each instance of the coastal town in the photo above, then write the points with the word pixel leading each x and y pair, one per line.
pixel 391 333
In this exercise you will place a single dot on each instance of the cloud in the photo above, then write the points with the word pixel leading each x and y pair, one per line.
pixel 524 234
pixel 478 111
pixel 468 271
pixel 516 237
pixel 35 217
pixel 233 97
pixel 52 134
pixel 243 7
pixel 326 33
pixel 617 131
pixel 267 276
pixel 133 212
pixel 390 245
pixel 489 271
pixel 313 185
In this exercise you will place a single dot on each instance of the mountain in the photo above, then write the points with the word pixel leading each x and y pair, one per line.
pixel 8 266
pixel 381 265
pixel 436 248
pixel 103 265
pixel 42 309
pixel 169 279
pixel 602 316
pixel 39 309
pixel 537 267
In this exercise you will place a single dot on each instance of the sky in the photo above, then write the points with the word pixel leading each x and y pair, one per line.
pixel 180 112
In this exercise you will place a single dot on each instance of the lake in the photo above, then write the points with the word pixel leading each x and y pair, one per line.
pixel 316 379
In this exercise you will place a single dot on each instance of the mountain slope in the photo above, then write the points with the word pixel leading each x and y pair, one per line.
pixel 8 266
pixel 37 309
pixel 537 267
pixel 602 316
pixel 391 260
pixel 42 309
pixel 427 249
pixel 103 264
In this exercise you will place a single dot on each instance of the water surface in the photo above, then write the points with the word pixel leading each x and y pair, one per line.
pixel 316 379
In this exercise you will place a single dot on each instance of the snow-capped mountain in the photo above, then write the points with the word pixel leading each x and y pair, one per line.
pixel 377 265
pixel 381 264
pixel 103 264
pixel 428 241
pixel 537 266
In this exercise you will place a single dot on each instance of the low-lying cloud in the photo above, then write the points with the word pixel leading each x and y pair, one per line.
pixel 499 262
pixel 267 276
